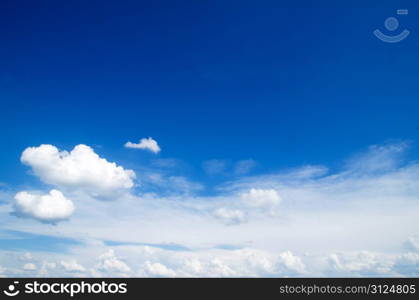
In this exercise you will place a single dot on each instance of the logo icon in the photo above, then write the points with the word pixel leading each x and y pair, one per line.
pixel 12 291
pixel 392 24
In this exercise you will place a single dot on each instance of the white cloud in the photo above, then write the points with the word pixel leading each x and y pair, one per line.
pixel 111 265
pixel 80 169
pixel 407 264
pixel 52 207
pixel 156 270
pixel 319 229
pixel 145 144
pixel 378 158
pixel 221 263
pixel 267 199
pixel 230 216
pixel 359 263
pixel 413 243
pixel 29 267
pixel 211 262
pixel 292 263
pixel 72 266
pixel 238 209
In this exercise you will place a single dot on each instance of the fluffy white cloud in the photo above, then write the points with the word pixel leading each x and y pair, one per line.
pixel 80 169
pixel 156 270
pixel 230 216
pixel 292 263
pixel 145 144
pixel 29 267
pixel 360 263
pixel 111 265
pixel 52 207
pixel 220 263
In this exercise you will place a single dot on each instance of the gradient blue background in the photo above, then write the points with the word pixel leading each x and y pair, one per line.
pixel 285 83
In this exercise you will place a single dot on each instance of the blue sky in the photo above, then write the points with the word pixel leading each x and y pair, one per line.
pixel 239 95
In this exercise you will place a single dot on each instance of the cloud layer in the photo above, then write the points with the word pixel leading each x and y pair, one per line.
pixel 306 221
pixel 145 261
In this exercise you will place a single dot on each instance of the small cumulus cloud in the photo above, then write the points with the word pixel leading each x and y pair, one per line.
pixel 359 263
pixel 110 265
pixel 145 144
pixel 156 270
pixel 51 207
pixel 292 263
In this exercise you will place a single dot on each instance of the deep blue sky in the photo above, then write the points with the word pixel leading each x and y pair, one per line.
pixel 285 83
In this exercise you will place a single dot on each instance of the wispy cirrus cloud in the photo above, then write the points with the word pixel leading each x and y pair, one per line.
pixel 243 167
pixel 214 166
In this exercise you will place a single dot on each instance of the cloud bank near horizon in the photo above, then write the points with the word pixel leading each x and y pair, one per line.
pixel 306 221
